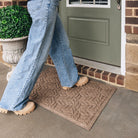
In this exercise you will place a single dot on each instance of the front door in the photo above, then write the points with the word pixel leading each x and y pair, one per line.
pixel 93 28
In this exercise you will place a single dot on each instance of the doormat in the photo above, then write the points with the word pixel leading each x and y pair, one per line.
pixel 81 105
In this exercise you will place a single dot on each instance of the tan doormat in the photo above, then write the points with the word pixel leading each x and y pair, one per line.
pixel 81 105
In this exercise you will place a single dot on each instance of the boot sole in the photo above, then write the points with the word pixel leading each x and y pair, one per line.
pixel 30 111
pixel 4 111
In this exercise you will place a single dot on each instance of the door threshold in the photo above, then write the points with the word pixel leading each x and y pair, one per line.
pixel 96 71
pixel 97 65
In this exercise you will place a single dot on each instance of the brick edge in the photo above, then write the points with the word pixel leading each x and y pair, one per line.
pixel 108 77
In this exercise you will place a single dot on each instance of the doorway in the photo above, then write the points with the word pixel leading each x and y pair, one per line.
pixel 94 29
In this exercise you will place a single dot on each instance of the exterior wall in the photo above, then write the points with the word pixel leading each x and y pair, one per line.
pixel 132 45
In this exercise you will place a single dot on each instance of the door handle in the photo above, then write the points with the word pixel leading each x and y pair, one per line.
pixel 118 4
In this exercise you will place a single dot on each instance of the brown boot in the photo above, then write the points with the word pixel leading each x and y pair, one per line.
pixel 82 81
pixel 30 106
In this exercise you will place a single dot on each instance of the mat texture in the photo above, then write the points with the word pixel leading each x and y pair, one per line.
pixel 81 105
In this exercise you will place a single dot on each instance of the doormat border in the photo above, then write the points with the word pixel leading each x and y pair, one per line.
pixel 51 107
pixel 89 127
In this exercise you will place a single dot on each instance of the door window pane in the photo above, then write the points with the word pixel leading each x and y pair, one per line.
pixel 90 2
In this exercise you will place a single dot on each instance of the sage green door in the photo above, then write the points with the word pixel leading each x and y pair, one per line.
pixel 94 32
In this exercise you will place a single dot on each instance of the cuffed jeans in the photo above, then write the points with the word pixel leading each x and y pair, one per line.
pixel 46 36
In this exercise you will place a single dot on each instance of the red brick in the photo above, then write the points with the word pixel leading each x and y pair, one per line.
pixel 0 3
pixel 135 30
pixel 105 75
pixel 7 3
pixel 120 80
pixel 131 20
pixel 136 12
pixel 131 3
pixel 22 3
pixel 91 71
pixel 128 29
pixel 14 3
pixel 112 77
pixel 85 70
pixel 49 60
pixel 128 12
pixel 79 67
pixel 98 73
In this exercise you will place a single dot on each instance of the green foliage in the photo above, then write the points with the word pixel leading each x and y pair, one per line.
pixel 15 21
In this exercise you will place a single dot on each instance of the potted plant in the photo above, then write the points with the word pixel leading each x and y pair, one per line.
pixel 15 23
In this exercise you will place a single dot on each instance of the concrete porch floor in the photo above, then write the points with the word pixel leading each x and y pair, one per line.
pixel 119 119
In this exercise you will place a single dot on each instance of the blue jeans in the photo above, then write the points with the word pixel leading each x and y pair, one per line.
pixel 46 36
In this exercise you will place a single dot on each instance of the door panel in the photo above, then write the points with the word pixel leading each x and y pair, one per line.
pixel 84 29
pixel 94 33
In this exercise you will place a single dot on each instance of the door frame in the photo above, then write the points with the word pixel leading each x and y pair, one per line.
pixel 123 38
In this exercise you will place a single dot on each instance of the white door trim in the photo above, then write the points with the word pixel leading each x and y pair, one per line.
pixel 123 38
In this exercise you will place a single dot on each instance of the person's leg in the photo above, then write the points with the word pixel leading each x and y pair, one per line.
pixel 61 55
pixel 16 94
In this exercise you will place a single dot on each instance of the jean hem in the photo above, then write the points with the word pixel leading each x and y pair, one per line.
pixel 70 86
pixel 13 109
